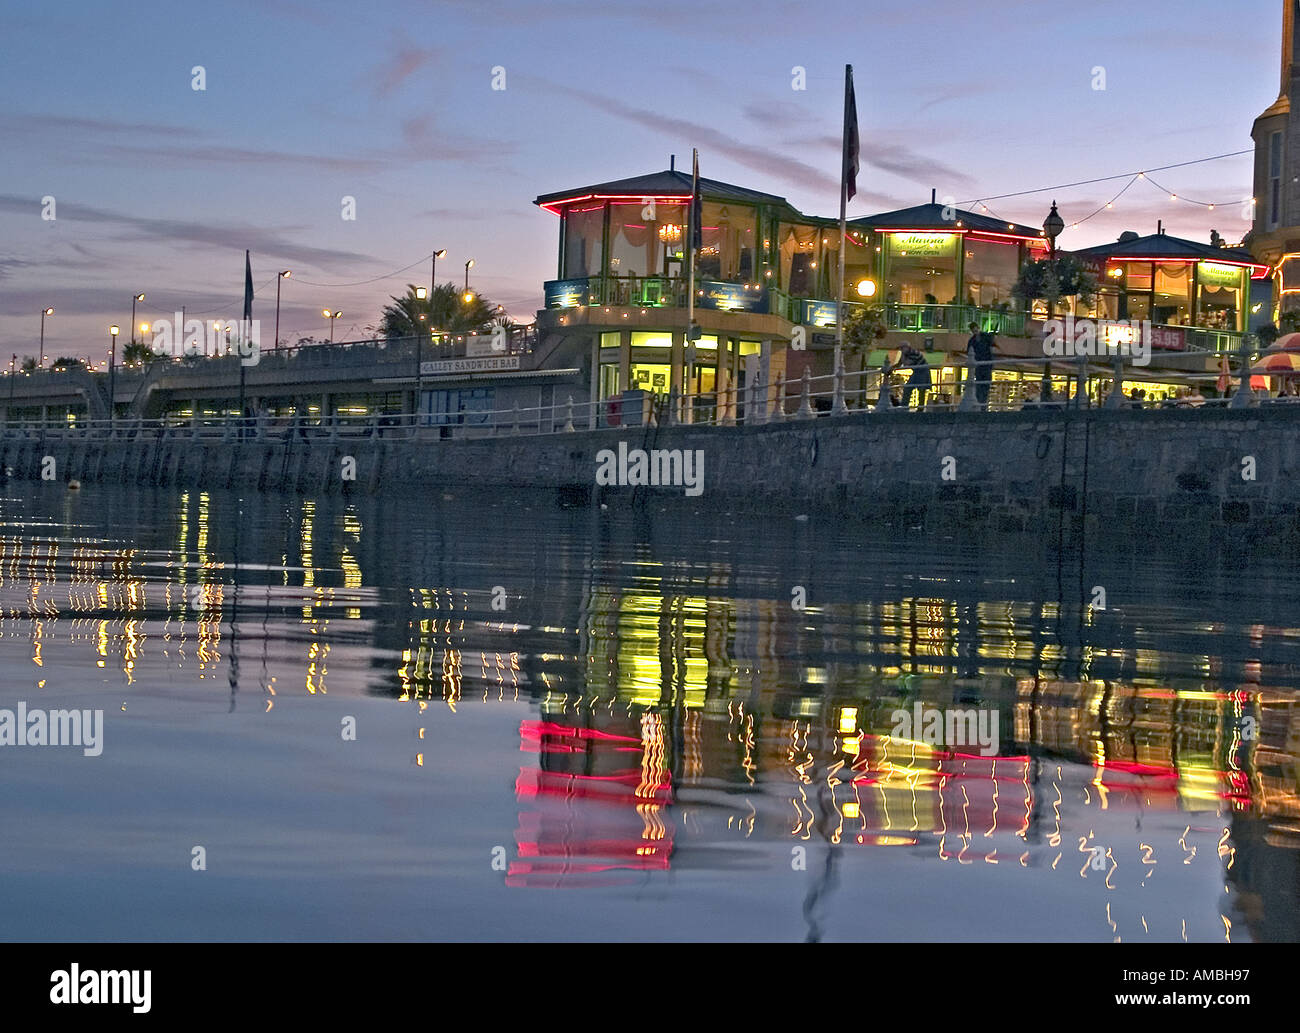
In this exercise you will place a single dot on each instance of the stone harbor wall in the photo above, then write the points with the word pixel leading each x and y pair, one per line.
pixel 1194 473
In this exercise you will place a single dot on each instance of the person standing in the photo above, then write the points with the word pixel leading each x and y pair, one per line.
pixel 980 348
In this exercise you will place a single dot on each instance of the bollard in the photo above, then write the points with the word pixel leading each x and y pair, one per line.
pixel 758 398
pixel 1243 396
pixel 568 415
pixel 839 408
pixel 883 403
pixel 670 410
pixel 969 402
pixel 805 397
pixel 1115 400
pixel 778 403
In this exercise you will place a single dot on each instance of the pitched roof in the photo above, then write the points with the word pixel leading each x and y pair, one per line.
pixel 932 217
pixel 1161 245
pixel 669 182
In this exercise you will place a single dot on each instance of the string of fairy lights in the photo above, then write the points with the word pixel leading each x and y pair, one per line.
pixel 1142 175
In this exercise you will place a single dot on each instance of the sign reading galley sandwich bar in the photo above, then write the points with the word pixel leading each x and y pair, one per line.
pixel 480 364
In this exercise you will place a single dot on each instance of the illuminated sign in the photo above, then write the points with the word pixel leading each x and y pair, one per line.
pixel 566 293
pixel 935 245
pixel 819 313
pixel 476 365
pixel 732 297
pixel 1219 275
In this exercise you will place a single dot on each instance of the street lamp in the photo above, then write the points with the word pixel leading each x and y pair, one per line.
pixel 421 294
pixel 469 295
pixel 284 275
pixel 113 331
pixel 331 316
pixel 433 273
pixel 1052 227
pixel 44 312
pixel 134 299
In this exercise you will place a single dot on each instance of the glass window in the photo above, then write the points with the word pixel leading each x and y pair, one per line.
pixel 1220 300
pixel 990 272
pixel 797 246
pixel 652 376
pixel 652 339
pixel 727 247
pixel 1173 297
pixel 584 229
pixel 645 239
pixel 921 268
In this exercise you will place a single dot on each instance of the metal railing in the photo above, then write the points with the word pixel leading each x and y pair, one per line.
pixel 808 397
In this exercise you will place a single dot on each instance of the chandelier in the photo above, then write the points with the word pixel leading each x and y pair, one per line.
pixel 670 233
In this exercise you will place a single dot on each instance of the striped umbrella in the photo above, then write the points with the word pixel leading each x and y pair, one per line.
pixel 1283 363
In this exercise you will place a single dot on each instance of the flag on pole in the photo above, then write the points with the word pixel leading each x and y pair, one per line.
pixel 248 287
pixel 697 205
pixel 851 143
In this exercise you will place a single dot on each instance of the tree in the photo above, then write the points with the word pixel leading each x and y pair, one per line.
pixel 446 311
pixel 1051 279
pixel 29 364
pixel 138 351
pixel 66 362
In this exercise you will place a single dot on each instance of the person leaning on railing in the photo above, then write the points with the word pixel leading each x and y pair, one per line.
pixel 981 348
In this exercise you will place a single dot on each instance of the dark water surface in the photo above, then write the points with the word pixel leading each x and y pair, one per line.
pixel 575 724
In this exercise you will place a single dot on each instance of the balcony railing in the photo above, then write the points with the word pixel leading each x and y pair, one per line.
pixel 671 292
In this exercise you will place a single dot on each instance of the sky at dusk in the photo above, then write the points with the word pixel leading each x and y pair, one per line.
pixel 159 188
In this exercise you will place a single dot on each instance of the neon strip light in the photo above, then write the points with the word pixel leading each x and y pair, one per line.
pixel 632 198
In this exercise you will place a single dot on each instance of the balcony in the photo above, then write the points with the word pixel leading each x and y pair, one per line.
pixel 648 292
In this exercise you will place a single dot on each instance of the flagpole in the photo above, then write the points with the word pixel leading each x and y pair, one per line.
pixel 844 204
pixel 690 282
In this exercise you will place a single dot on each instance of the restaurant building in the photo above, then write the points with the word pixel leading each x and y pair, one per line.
pixel 764 269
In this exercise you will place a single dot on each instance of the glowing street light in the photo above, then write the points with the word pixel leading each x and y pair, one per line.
pixel 867 288
pixel 283 276
pixel 134 299
pixel 44 312
pixel 113 331
pixel 331 316
pixel 469 295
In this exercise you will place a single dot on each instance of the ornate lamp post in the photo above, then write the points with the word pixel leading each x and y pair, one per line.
pixel 113 331
pixel 1052 227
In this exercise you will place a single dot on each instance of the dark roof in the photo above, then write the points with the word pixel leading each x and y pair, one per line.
pixel 1161 245
pixel 931 217
pixel 670 182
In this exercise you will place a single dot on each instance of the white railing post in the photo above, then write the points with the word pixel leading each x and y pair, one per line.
pixel 778 403
pixel 839 408
pixel 883 402
pixel 568 415
pixel 805 397
pixel 969 400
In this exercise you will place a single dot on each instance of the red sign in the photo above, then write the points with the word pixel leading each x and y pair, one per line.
pixel 1168 338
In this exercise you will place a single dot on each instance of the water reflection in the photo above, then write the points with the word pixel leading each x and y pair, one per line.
pixel 706 695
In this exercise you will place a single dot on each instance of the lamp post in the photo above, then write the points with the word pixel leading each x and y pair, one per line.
pixel 468 297
pixel 44 312
pixel 1052 227
pixel 134 299
pixel 421 294
pixel 331 316
pixel 433 278
pixel 278 280
pixel 113 331
pixel 13 362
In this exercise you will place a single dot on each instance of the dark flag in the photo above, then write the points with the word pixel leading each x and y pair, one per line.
pixel 697 206
pixel 248 288
pixel 850 171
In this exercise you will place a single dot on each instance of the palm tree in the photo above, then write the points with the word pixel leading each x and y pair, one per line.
pixel 138 352
pixel 29 364
pixel 446 311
